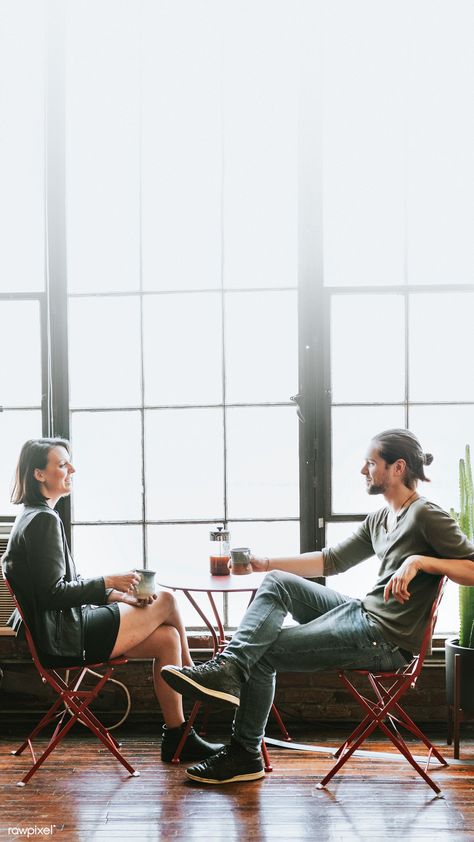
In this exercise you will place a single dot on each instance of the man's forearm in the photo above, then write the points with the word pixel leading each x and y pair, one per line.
pixel 459 570
pixel 306 564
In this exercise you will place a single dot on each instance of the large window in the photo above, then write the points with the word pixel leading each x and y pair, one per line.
pixel 207 208
pixel 23 345
pixel 399 263
pixel 182 281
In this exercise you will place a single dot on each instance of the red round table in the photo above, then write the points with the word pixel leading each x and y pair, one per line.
pixel 193 580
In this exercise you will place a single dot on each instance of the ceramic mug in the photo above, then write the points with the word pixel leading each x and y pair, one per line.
pixel 240 561
pixel 146 586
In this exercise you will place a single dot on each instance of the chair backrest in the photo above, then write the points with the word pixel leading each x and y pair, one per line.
pixel 430 627
pixel 28 635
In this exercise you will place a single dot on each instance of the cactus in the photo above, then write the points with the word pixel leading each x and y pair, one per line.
pixel 465 519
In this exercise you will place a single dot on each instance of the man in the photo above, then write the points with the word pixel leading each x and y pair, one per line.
pixel 416 543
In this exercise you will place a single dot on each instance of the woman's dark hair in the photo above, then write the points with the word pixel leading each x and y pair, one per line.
pixel 34 454
pixel 402 444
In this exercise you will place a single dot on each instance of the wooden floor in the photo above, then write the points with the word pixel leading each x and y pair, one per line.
pixel 82 793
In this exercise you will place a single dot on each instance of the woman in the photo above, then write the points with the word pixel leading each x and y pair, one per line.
pixel 57 601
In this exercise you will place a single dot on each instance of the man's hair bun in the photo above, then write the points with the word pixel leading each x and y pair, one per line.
pixel 427 458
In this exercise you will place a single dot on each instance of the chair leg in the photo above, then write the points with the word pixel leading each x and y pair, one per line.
pixel 79 712
pixel 266 757
pixel 346 753
pixel 82 711
pixel 47 718
pixel 408 723
pixel 385 708
pixel 280 723
pixel 403 748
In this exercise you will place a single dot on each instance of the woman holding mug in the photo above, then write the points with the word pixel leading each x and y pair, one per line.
pixel 57 601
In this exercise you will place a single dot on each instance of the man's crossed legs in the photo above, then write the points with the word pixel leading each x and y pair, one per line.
pixel 333 631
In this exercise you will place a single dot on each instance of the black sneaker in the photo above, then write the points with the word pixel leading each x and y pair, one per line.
pixel 231 765
pixel 220 678
pixel 195 748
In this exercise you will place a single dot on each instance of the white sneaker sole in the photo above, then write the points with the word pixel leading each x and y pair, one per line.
pixel 187 687
pixel 251 776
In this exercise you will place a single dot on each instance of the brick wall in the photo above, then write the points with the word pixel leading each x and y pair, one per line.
pixel 300 697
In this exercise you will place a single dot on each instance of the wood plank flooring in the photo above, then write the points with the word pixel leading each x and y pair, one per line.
pixel 82 793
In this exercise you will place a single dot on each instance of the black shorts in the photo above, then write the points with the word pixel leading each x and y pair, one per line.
pixel 101 627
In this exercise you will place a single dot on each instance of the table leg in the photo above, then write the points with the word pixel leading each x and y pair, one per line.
pixel 189 724
pixel 215 641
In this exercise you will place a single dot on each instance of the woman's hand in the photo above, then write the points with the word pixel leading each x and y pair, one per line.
pixel 259 564
pixel 122 581
pixel 400 580
pixel 138 602
pixel 129 599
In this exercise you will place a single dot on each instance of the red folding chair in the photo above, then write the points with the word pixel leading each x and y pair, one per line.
pixel 385 711
pixel 71 701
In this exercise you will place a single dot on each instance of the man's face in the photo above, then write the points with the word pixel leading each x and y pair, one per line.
pixel 376 472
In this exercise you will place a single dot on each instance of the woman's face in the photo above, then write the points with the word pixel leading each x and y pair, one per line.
pixel 56 477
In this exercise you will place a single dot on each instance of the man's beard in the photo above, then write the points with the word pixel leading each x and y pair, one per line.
pixel 375 489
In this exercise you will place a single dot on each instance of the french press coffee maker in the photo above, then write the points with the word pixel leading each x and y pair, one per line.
pixel 219 552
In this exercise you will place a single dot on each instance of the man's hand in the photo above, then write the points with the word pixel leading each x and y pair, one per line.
pixel 259 564
pixel 122 581
pixel 398 584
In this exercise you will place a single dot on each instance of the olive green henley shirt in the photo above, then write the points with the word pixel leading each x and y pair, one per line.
pixel 421 529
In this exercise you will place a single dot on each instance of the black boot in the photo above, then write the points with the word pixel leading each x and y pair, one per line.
pixel 195 748
pixel 219 680
pixel 233 763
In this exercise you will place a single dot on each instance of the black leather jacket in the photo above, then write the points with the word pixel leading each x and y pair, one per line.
pixel 40 569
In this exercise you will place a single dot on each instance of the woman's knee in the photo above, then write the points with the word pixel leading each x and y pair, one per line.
pixel 165 600
pixel 167 637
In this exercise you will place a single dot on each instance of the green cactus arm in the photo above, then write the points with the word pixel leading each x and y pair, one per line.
pixel 469 495
pixel 465 519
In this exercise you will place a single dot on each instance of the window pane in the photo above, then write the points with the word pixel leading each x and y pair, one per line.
pixel 107 458
pixel 363 144
pixel 262 462
pixel 178 547
pixel 260 144
pixel 358 580
pixel 22 152
pixel 15 429
pixel 448 617
pixel 359 371
pixel 439 161
pixel 104 352
pixel 430 424
pixel 440 344
pixel 261 346
pixel 20 353
pixel 184 453
pixel 182 145
pixel 352 430
pixel 102 146
pixel 183 349
pixel 99 550
pixel 267 539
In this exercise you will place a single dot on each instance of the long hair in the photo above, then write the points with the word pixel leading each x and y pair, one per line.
pixel 403 444
pixel 34 454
